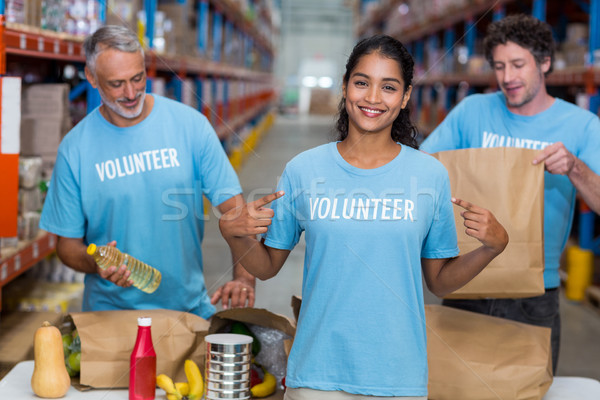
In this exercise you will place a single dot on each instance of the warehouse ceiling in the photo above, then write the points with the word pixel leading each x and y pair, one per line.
pixel 310 16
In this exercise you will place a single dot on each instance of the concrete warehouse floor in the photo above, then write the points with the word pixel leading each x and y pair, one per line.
pixel 580 347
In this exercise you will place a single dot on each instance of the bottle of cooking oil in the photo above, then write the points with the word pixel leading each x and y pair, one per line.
pixel 144 277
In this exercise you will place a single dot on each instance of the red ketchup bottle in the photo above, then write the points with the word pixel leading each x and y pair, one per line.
pixel 142 367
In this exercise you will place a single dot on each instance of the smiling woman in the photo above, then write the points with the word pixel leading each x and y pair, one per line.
pixel 367 252
pixel 374 96
pixel 378 81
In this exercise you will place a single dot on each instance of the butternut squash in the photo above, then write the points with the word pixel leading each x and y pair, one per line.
pixel 50 378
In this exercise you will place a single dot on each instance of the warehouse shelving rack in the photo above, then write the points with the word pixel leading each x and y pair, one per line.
pixel 442 31
pixel 252 109
pixel 416 36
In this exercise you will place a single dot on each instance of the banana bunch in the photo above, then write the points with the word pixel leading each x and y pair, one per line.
pixel 193 389
pixel 266 388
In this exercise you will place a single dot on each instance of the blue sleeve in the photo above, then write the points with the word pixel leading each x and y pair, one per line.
pixel 219 180
pixel 441 241
pixel 63 211
pixel 447 135
pixel 285 230
pixel 590 147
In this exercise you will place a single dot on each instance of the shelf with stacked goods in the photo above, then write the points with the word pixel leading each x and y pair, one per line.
pixel 445 38
pixel 25 254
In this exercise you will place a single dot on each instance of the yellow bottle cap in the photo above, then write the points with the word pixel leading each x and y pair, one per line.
pixel 91 249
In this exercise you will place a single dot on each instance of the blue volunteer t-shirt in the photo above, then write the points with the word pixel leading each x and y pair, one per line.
pixel 361 327
pixel 483 120
pixel 142 186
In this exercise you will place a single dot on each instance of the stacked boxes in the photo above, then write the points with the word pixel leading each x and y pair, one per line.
pixel 575 46
pixel 75 17
pixel 44 122
pixel 181 39
pixel 15 11
pixel 123 12
pixel 33 13
pixel 30 197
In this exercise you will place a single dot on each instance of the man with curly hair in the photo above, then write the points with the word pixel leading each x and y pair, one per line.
pixel 520 50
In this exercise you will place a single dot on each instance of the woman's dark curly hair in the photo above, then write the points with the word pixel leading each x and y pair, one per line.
pixel 524 30
pixel 403 131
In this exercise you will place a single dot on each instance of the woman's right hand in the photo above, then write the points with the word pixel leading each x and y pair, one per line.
pixel 249 219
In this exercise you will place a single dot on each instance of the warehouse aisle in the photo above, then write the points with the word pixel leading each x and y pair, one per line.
pixel 580 351
pixel 258 176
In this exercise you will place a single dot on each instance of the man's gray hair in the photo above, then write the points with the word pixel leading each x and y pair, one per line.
pixel 109 37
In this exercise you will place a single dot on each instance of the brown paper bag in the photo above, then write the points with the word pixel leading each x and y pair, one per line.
pixel 502 180
pixel 108 337
pixel 256 316
pixel 477 357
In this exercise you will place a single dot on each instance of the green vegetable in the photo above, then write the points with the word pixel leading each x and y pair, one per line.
pixel 70 371
pixel 74 361
pixel 67 339
pixel 76 345
pixel 242 329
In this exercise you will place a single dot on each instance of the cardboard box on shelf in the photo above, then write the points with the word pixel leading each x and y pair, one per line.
pixel 30 200
pixel 45 120
pixel 42 106
pixel 30 172
pixel 15 11
pixel 182 27
pixel 28 225
pixel 33 13
pixel 51 92
pixel 47 100
pixel 123 12
pixel 40 136
pixel 577 33
pixel 575 55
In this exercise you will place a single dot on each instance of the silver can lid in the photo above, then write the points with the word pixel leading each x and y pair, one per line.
pixel 228 338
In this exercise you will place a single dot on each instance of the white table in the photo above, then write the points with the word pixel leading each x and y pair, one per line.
pixel 16 385
pixel 573 388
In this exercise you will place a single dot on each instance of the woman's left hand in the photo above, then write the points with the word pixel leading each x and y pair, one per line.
pixel 483 226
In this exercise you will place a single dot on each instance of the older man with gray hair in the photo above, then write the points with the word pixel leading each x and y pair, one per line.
pixel 132 173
